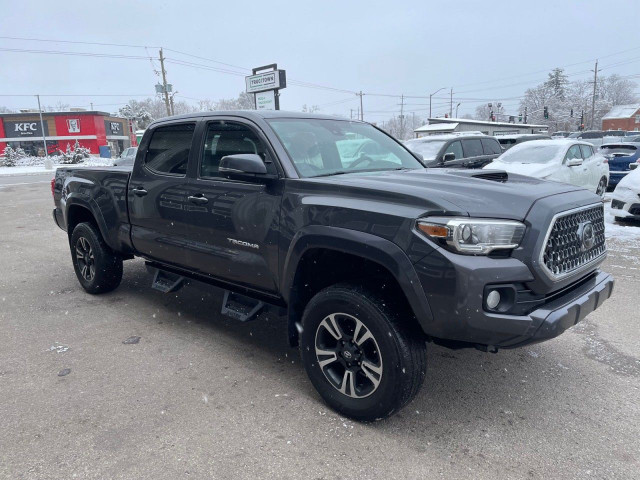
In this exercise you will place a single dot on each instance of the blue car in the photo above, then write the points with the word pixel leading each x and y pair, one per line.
pixel 620 156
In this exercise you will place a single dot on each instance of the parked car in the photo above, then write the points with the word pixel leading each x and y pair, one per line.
pixel 508 141
pixel 365 260
pixel 632 138
pixel 614 133
pixel 632 133
pixel 594 137
pixel 625 199
pixel 560 134
pixel 126 158
pixel 456 151
pixel 620 157
pixel 561 160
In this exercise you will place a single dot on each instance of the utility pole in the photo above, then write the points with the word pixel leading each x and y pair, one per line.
pixel 351 113
pixel 402 116
pixel 525 115
pixel 361 109
pixel 164 84
pixel 451 104
pixel 173 109
pixel 44 140
pixel 92 106
pixel 593 99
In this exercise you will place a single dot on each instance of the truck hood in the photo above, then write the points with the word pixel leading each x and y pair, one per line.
pixel 538 170
pixel 477 193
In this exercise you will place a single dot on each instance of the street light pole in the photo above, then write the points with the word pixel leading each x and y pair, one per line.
pixel 430 99
pixel 47 163
pixel 457 109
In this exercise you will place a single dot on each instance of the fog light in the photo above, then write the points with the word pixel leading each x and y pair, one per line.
pixel 493 299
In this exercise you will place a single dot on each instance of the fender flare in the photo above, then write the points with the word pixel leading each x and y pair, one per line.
pixel 361 244
pixel 88 204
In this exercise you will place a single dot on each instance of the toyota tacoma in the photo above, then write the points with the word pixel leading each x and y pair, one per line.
pixel 337 226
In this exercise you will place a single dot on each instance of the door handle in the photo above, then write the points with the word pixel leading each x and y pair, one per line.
pixel 139 191
pixel 198 199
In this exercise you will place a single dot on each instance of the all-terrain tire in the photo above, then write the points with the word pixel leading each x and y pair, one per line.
pixel 398 349
pixel 98 268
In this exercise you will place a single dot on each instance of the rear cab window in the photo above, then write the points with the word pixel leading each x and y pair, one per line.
pixel 169 148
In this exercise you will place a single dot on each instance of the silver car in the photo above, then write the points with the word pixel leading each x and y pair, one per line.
pixel 126 157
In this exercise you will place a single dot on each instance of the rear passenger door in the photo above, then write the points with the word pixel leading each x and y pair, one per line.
pixel 234 224
pixel 157 195
pixel 591 164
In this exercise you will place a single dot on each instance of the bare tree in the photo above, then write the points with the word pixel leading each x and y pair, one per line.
pixel 483 112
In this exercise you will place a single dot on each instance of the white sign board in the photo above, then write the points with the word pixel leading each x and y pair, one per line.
pixel 265 81
pixel 266 100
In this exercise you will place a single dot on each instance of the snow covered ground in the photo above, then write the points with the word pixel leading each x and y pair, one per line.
pixel 40 169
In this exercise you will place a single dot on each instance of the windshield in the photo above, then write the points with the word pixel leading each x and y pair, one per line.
pixel 531 153
pixel 330 147
pixel 427 148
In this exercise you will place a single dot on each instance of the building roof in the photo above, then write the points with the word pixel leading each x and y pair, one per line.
pixel 482 122
pixel 437 127
pixel 49 114
pixel 622 111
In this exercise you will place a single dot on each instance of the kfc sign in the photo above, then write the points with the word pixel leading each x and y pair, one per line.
pixel 73 125
pixel 113 128
pixel 24 129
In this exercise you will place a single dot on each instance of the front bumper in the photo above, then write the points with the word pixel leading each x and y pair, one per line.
pixel 459 315
pixel 557 316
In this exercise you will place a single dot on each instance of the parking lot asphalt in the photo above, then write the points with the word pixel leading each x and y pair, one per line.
pixel 202 396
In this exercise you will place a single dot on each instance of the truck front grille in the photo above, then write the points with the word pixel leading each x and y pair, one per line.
pixel 575 240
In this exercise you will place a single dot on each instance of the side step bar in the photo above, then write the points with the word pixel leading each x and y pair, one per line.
pixel 167 282
pixel 240 307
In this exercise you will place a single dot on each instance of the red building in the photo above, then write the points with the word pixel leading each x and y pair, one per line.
pixel 622 117
pixel 91 129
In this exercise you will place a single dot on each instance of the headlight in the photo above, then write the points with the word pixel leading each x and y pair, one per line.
pixel 473 236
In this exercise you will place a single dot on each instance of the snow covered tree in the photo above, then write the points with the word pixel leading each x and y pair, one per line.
pixel 12 155
pixel 565 101
pixel 138 112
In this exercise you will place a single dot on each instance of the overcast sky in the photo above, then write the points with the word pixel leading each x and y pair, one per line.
pixel 484 50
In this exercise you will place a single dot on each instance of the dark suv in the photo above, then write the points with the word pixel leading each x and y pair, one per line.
pixel 338 228
pixel 456 151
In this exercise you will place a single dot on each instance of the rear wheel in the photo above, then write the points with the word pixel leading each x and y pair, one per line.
pixel 98 268
pixel 602 187
pixel 366 359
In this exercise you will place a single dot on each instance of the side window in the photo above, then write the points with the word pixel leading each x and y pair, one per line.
pixel 491 146
pixel 587 151
pixel 573 153
pixel 455 148
pixel 227 138
pixel 472 147
pixel 168 151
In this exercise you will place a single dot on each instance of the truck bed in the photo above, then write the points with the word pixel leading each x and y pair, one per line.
pixel 102 191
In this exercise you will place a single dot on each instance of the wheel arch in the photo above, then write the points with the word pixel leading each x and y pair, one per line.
pixel 346 253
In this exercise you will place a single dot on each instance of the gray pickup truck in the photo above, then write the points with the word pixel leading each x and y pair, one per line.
pixel 337 226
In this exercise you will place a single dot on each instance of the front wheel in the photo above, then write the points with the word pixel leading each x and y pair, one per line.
pixel 364 358
pixel 602 187
pixel 98 268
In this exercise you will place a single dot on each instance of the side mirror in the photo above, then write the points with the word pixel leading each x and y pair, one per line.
pixel 448 157
pixel 243 166
pixel 574 162
pixel 633 166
